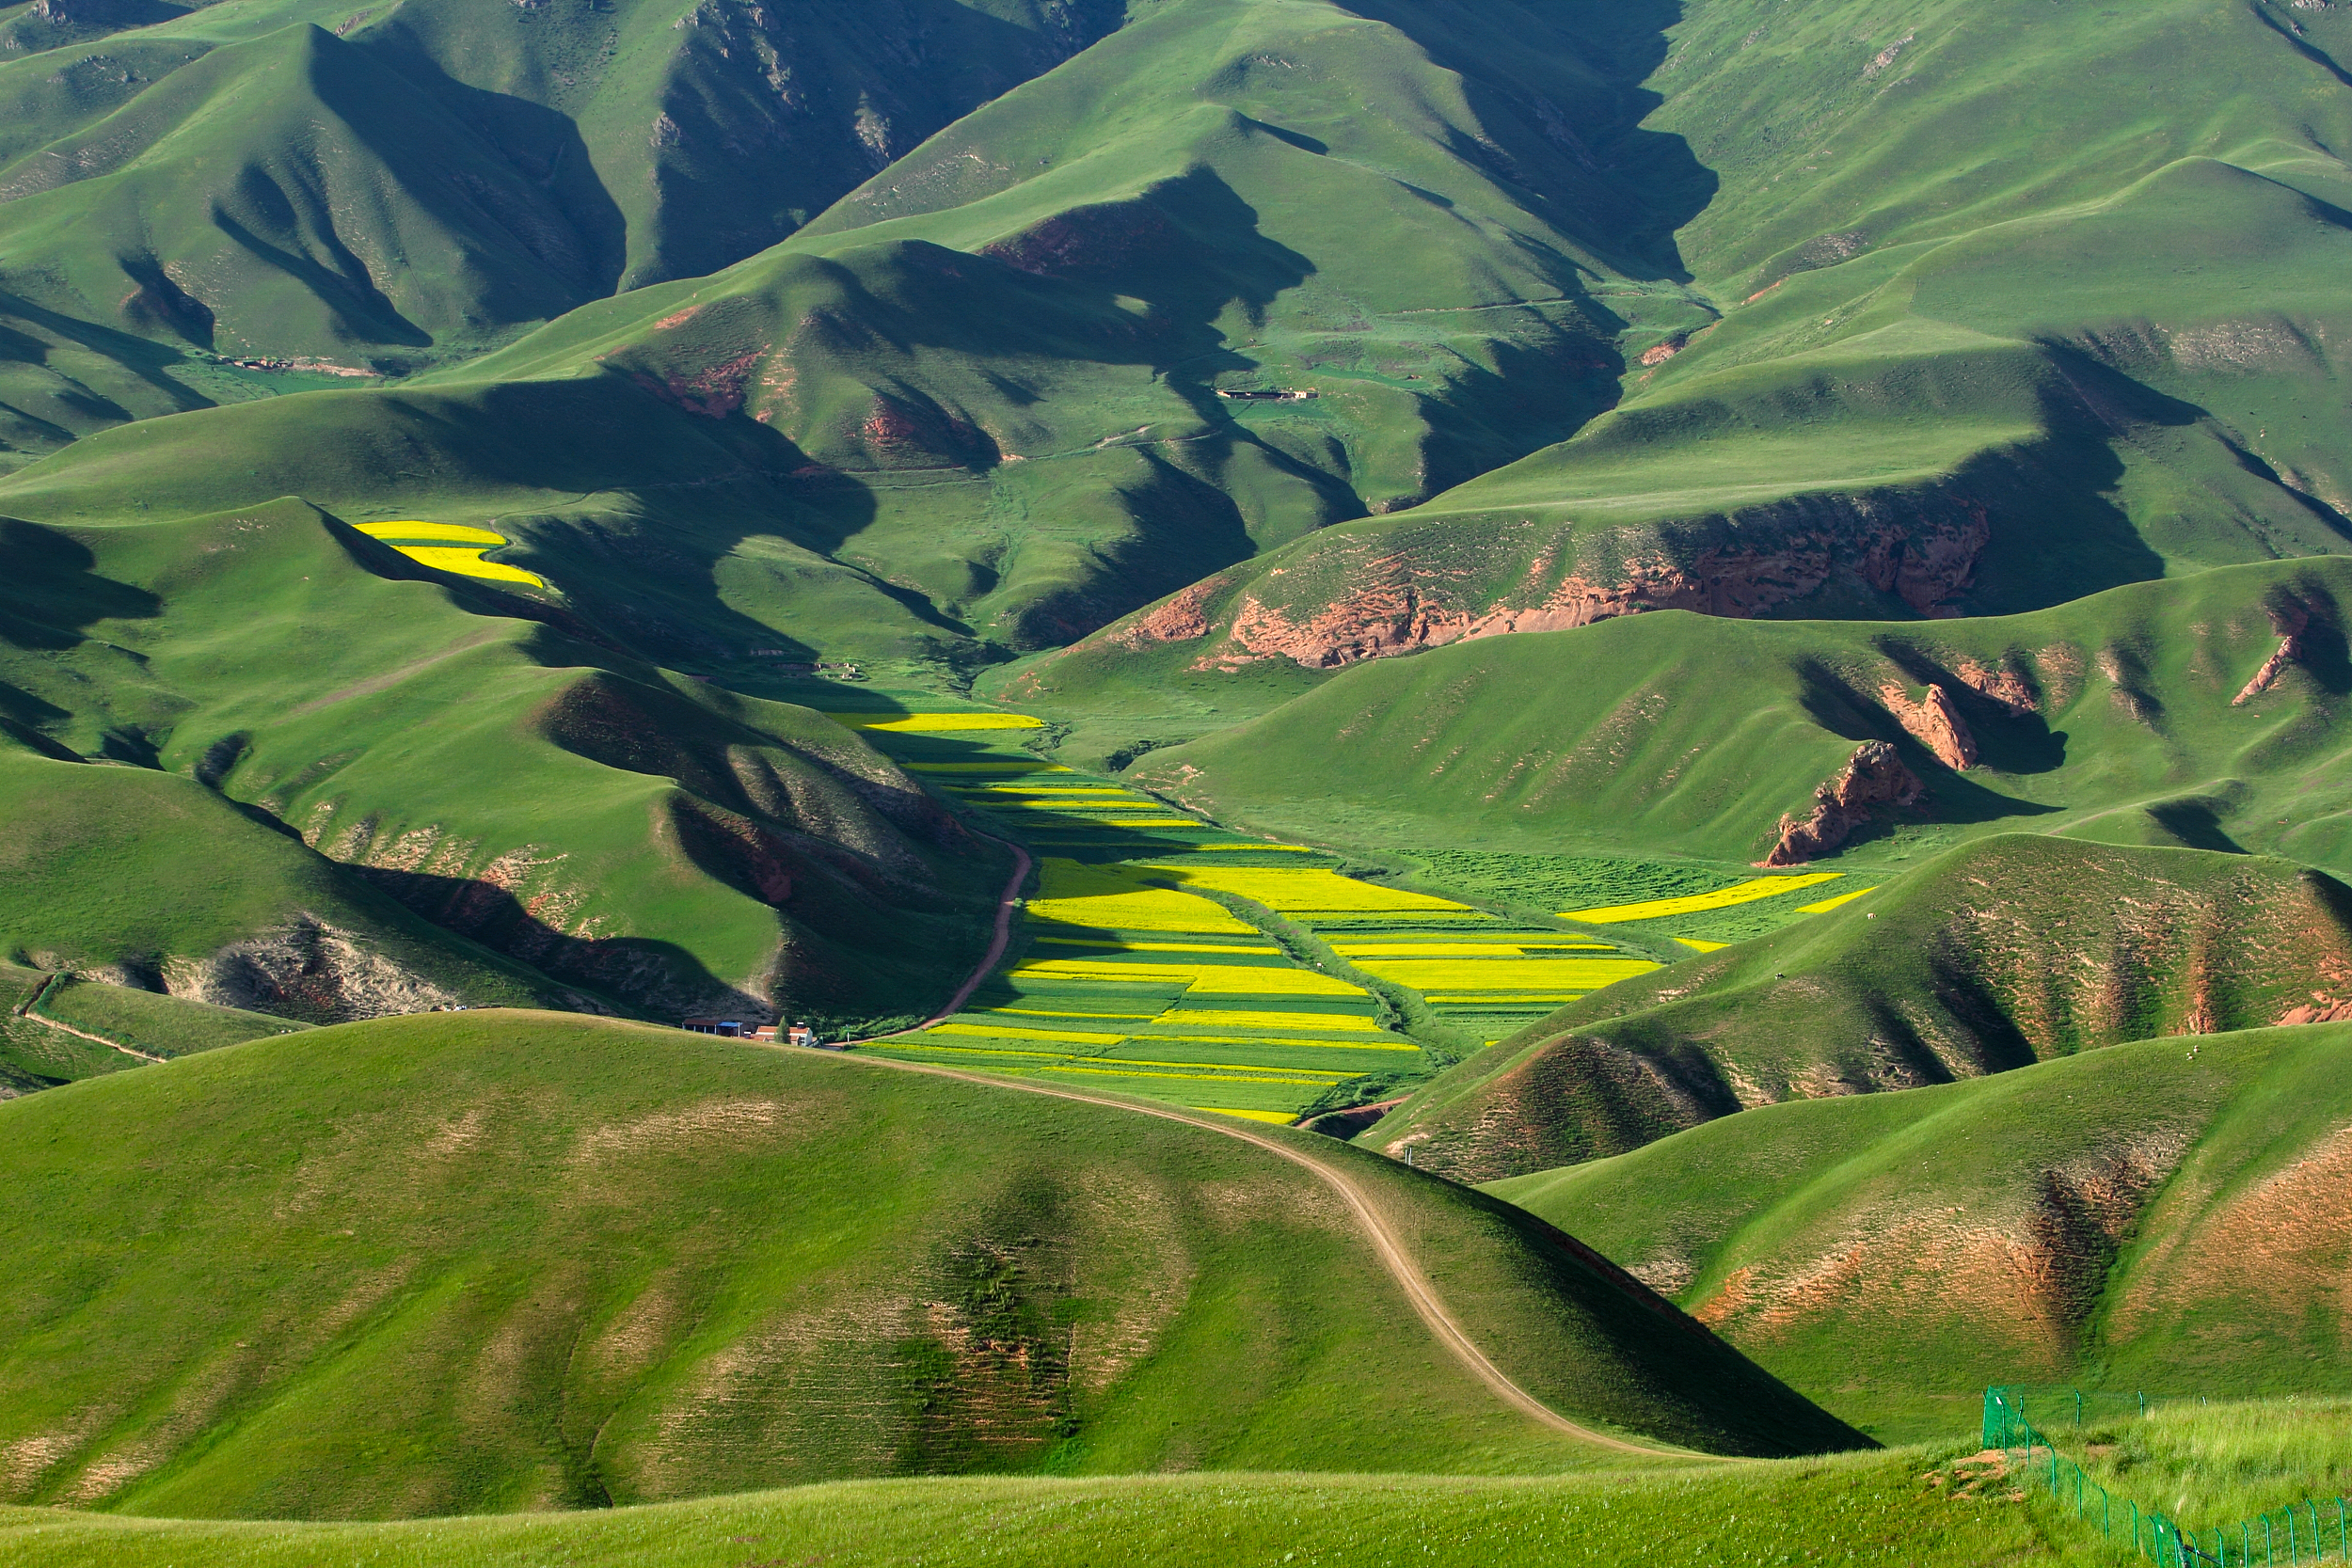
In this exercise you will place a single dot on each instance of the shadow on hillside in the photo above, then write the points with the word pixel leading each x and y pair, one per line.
pixel 1572 139
pixel 659 978
pixel 51 595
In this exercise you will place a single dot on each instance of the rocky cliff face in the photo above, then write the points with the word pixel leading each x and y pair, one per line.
pixel 1873 776
pixel 1403 583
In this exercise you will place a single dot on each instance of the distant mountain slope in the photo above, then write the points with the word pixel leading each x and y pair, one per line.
pixel 405 184
pixel 989 380
pixel 377 745
pixel 525 1262
pixel 2209 710
pixel 1996 328
pixel 2004 952
pixel 2166 1215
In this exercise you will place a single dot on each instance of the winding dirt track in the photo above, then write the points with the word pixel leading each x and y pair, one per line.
pixel 1392 1252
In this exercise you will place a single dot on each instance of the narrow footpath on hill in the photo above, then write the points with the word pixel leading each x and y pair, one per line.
pixel 29 1011
pixel 1448 1329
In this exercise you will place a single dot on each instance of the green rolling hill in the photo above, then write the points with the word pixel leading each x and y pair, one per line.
pixel 514 1260
pixel 58 1029
pixel 2159 713
pixel 975 405
pixel 1988 327
pixel 1996 955
pixel 263 738
pixel 382 188
pixel 2166 1215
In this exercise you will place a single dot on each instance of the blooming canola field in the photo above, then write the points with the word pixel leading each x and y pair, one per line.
pixel 1163 955
pixel 452 547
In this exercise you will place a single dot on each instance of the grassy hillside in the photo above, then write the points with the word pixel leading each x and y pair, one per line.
pixel 976 402
pixel 408 184
pixel 1986 327
pixel 2165 1216
pixel 334 749
pixel 2161 713
pixel 1872 1507
pixel 574 1262
pixel 59 1028
pixel 2002 953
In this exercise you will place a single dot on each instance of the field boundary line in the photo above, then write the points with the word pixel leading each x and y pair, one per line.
pixel 27 1011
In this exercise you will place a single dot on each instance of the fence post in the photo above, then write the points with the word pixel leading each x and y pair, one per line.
pixel 2078 1407
pixel 2344 1536
pixel 2144 1403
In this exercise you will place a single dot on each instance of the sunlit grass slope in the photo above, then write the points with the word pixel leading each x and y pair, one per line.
pixel 107 1027
pixel 1996 955
pixel 2127 717
pixel 1990 327
pixel 976 401
pixel 1861 1509
pixel 2165 1216
pixel 323 733
pixel 499 1260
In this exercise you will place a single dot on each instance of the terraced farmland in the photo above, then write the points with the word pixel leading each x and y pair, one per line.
pixel 1164 955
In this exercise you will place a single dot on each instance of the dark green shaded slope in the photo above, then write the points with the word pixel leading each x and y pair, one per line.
pixel 2001 953
pixel 2164 1216
pixel 2161 713
pixel 359 734
pixel 504 1261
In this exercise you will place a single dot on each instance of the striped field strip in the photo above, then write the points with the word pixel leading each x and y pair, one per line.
pixel 1722 898
pixel 935 722
pixel 454 533
pixel 1157 946
pixel 1330 1075
pixel 1828 904
pixel 1697 945
pixel 1039 1012
pixel 1280 1118
pixel 1010 765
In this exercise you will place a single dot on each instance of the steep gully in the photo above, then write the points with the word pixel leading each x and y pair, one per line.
pixel 1443 1325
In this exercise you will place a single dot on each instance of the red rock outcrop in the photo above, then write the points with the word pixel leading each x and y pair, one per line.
pixel 1873 776
pixel 2320 1010
pixel 1935 723
pixel 2003 686
pixel 2290 620
pixel 1179 619
pixel 1397 604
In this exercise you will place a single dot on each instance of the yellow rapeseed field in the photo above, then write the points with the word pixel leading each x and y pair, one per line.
pixel 1428 975
pixel 1828 904
pixel 1301 890
pixel 465 561
pixel 1072 892
pixel 451 532
pixel 1220 1018
pixel 1121 945
pixel 931 723
pixel 1722 898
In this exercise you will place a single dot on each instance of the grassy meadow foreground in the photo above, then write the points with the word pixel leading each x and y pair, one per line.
pixel 1921 1507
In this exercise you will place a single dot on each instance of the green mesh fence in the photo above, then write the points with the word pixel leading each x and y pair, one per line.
pixel 2314 1531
